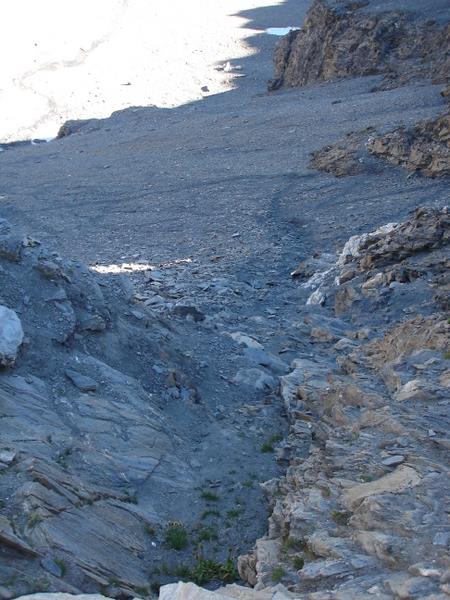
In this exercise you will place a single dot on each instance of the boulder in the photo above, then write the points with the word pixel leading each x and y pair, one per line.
pixel 11 336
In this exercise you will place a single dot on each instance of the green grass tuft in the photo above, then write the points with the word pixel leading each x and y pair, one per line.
pixel 298 562
pixel 277 574
pixel 209 513
pixel 209 570
pixel 209 496
pixel 341 517
pixel 176 536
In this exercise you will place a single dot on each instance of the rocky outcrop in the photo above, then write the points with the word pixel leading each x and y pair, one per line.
pixel 341 39
pixel 346 156
pixel 422 149
pixel 427 229
pixel 358 513
pixel 425 148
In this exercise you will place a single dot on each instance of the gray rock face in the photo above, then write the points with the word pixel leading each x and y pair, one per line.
pixel 104 436
pixel 11 336
pixel 338 39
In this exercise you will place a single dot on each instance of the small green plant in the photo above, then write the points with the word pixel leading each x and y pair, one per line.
pixel 366 477
pixel 208 570
pixel 182 571
pixel 277 574
pixel 447 356
pixel 206 534
pixel 291 543
pixel 209 513
pixel 209 496
pixel 155 587
pixel 62 458
pixel 234 513
pixel 34 519
pixel 131 497
pixel 142 591
pixel 248 484
pixel 10 581
pixel 62 566
pixel 298 562
pixel 149 529
pixel 341 517
pixel 326 492
pixel 176 536
pixel 41 584
pixel 267 447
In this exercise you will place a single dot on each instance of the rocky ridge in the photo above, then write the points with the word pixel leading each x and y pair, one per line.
pixel 359 514
pixel 340 39
pixel 423 149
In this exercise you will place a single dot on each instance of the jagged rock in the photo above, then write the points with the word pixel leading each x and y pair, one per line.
pixel 425 148
pixel 427 229
pixel 246 566
pixel 345 157
pixel 11 336
pixel 338 40
pixel 411 336
pixel 316 298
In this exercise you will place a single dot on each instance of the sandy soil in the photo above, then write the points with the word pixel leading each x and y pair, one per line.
pixel 76 60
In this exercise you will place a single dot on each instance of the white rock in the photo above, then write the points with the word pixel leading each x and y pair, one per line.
pixel 245 340
pixel 62 596
pixel 11 336
pixel 352 247
pixel 185 591
pixel 316 297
